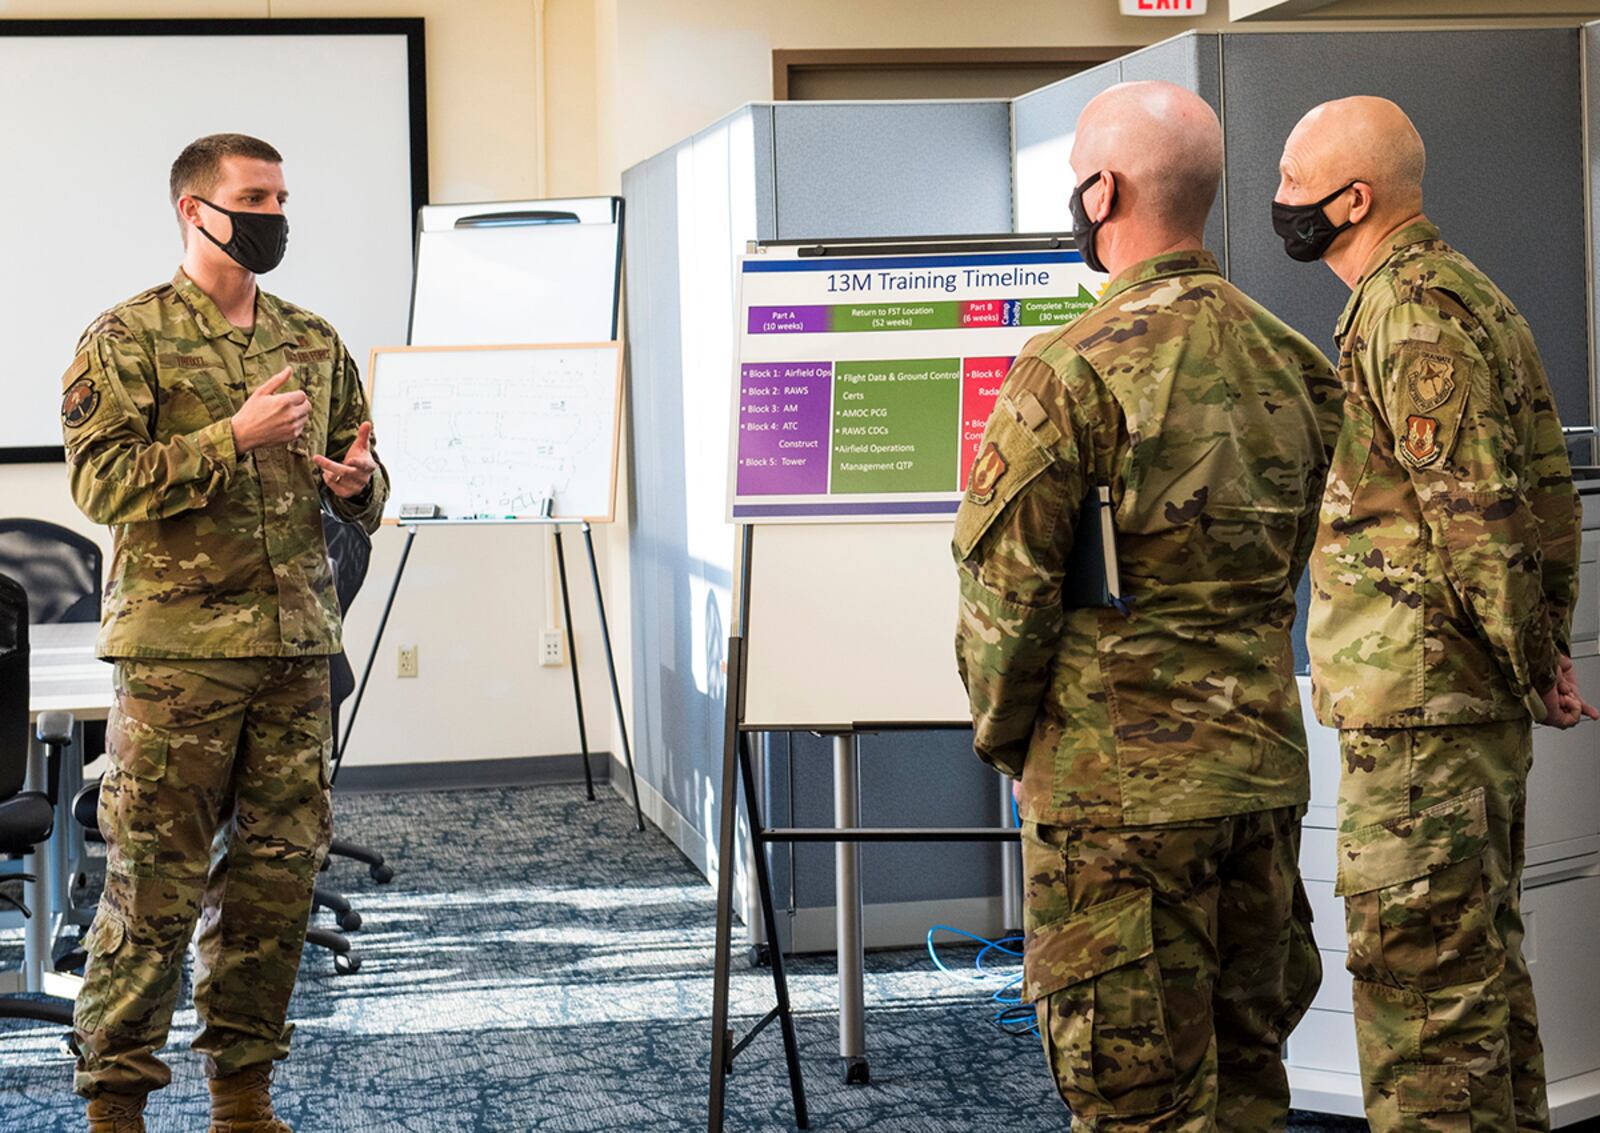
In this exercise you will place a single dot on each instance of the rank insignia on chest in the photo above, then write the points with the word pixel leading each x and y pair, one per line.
pixel 986 472
pixel 1430 380
pixel 1422 439
pixel 79 402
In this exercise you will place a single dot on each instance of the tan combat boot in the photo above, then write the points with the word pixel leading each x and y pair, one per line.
pixel 242 1103
pixel 116 1113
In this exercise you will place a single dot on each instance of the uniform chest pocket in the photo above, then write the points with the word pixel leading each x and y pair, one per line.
pixel 1010 458
pixel 189 401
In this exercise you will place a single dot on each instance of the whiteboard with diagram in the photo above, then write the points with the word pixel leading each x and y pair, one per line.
pixel 485 433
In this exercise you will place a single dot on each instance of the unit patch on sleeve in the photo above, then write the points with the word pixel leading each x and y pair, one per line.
pixel 79 402
pixel 1421 442
pixel 1430 379
pixel 987 472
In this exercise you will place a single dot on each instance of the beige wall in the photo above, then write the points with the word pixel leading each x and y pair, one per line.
pixel 556 97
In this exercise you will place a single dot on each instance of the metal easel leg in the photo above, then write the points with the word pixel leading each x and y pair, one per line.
pixel 780 981
pixel 847 903
pixel 572 661
pixel 366 673
pixel 616 689
pixel 721 1035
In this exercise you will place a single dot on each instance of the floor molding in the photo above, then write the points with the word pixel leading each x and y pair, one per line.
pixel 466 774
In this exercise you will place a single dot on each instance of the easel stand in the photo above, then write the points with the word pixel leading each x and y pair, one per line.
pixel 412 528
pixel 846 834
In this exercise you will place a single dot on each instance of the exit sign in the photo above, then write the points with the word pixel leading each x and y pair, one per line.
pixel 1163 7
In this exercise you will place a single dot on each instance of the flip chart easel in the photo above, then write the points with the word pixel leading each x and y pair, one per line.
pixel 474 424
pixel 814 398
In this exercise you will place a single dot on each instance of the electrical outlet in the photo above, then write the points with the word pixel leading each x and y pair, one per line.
pixel 551 654
pixel 408 661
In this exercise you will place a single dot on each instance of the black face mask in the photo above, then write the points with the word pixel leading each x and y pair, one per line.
pixel 259 238
pixel 1084 229
pixel 1306 230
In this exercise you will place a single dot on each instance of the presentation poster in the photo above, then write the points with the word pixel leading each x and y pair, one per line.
pixel 864 382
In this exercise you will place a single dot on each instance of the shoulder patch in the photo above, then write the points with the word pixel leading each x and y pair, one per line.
pixel 1421 442
pixel 987 472
pixel 79 402
pixel 1429 378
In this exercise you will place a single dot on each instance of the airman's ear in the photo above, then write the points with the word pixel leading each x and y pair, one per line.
pixel 1361 202
pixel 1106 188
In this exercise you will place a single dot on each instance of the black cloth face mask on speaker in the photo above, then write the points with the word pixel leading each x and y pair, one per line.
pixel 1084 229
pixel 1306 230
pixel 259 238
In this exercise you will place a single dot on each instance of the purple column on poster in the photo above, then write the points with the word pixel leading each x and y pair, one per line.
pixel 789 320
pixel 785 421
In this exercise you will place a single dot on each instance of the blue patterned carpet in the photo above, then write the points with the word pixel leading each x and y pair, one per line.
pixel 536 965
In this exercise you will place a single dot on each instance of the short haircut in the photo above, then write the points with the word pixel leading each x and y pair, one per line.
pixel 199 166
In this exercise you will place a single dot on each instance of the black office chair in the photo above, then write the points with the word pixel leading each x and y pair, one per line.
pixel 349 552
pixel 62 573
pixel 27 818
pixel 59 569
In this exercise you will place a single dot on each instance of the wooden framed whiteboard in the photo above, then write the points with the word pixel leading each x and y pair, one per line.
pixel 484 432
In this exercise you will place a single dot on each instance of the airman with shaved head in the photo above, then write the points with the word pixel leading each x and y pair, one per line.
pixel 1158 744
pixel 1443 584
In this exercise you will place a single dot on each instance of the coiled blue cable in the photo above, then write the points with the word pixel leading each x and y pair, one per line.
pixel 1014 1016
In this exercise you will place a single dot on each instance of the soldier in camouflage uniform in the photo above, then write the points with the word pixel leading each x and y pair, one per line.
pixel 1161 752
pixel 198 418
pixel 1443 584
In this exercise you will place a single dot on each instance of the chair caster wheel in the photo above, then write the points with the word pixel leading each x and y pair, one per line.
pixel 382 874
pixel 350 921
pixel 760 956
pixel 856 1072
pixel 345 964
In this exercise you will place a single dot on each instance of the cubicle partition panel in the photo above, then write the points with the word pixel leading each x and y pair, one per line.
pixel 791 171
pixel 691 209
pixel 1591 182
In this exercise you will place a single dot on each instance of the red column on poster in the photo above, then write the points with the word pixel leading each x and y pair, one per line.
pixel 980 389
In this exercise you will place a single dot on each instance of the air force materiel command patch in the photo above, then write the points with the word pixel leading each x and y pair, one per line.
pixel 986 473
pixel 1421 442
pixel 1429 379
pixel 79 403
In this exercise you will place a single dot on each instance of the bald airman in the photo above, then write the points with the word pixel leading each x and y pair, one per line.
pixel 1159 746
pixel 1443 585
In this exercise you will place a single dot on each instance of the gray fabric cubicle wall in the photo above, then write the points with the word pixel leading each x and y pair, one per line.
pixel 786 171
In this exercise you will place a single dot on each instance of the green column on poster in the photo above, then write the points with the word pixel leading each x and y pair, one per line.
pixel 892 423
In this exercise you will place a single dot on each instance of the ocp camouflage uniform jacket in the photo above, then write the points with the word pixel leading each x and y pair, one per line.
pixel 215 554
pixel 1446 565
pixel 1211 422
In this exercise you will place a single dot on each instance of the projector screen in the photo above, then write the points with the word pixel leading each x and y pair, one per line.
pixel 92 114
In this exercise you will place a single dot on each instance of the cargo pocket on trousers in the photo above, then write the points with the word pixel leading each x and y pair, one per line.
pixel 1443 1090
pixel 137 748
pixel 1415 904
pixel 103 942
pixel 130 804
pixel 1303 970
pixel 1102 1011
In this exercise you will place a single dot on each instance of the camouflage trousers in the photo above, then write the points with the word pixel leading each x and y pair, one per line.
pixel 1168 964
pixel 215 809
pixel 1431 836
